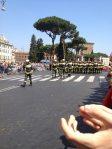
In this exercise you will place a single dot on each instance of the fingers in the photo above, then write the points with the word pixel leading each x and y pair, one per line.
pixel 92 124
pixel 98 112
pixel 67 129
pixel 75 136
pixel 72 122
pixel 108 110
pixel 94 121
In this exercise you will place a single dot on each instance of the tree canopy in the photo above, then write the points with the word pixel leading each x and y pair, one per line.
pixel 54 26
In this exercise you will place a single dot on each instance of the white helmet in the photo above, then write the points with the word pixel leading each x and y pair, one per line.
pixel 27 60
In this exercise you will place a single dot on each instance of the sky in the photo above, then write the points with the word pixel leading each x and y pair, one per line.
pixel 93 19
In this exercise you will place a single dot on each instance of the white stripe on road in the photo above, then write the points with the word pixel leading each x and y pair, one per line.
pixel 102 77
pixel 91 79
pixel 79 79
pixel 11 78
pixel 68 79
pixel 16 78
pixel 36 76
pixel 5 79
pixel 45 79
pixel 8 88
pixel 55 79
pixel 47 76
pixel 35 79
pixel 24 78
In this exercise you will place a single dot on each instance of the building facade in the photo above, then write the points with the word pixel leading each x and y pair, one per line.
pixel 89 48
pixel 20 56
pixel 6 50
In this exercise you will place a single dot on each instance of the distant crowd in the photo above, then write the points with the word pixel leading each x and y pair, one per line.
pixel 15 68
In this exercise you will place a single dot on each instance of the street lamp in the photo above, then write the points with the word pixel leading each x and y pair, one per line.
pixel 2 5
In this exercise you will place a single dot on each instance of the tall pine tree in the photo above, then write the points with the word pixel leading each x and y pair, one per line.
pixel 33 46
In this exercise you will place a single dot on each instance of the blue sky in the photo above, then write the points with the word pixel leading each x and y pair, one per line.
pixel 92 18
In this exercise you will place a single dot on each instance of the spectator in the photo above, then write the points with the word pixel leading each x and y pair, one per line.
pixel 108 99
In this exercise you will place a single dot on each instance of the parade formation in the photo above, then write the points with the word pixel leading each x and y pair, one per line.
pixel 63 68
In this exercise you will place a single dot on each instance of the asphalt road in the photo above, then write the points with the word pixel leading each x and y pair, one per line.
pixel 30 116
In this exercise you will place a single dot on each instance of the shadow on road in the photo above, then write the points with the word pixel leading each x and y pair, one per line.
pixel 98 94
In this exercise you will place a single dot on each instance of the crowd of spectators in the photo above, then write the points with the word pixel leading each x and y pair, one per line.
pixel 16 68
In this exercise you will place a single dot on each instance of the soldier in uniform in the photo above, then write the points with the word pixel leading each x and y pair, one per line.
pixel 54 68
pixel 70 68
pixel 95 67
pixel 75 67
pixel 27 67
pixel 85 68
pixel 62 66
pixel 100 66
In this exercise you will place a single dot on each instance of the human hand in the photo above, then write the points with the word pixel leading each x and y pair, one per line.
pixel 97 116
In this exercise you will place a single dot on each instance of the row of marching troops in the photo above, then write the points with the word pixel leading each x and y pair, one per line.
pixel 67 68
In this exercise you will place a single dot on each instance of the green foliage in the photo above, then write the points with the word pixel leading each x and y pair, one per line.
pixel 35 47
pixel 54 26
pixel 69 55
pixel 41 51
pixel 45 48
pixel 59 51
pixel 39 43
pixel 98 54
pixel 94 55
pixel 32 52
pixel 78 43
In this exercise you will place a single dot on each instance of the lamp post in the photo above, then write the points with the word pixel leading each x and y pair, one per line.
pixel 2 5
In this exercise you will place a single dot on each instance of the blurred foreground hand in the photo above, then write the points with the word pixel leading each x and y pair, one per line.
pixel 97 116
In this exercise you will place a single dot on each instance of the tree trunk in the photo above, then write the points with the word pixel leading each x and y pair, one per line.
pixel 64 47
pixel 53 48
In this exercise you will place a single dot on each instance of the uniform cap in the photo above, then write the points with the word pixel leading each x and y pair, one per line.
pixel 27 60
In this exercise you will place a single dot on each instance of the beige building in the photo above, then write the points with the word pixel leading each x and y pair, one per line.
pixel 6 50
pixel 20 56
pixel 89 47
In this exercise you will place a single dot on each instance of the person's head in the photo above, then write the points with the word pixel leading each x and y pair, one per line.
pixel 27 61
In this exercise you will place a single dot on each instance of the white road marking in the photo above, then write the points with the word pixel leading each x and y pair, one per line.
pixel 47 76
pixel 45 79
pixel 5 79
pixel 68 79
pixel 16 78
pixel 32 78
pixel 35 79
pixel 79 79
pixel 102 79
pixel 91 79
pixel 55 79
pixel 8 88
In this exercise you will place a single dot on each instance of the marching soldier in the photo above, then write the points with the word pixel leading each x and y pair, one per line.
pixel 70 68
pixel 28 72
pixel 54 69
pixel 62 65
